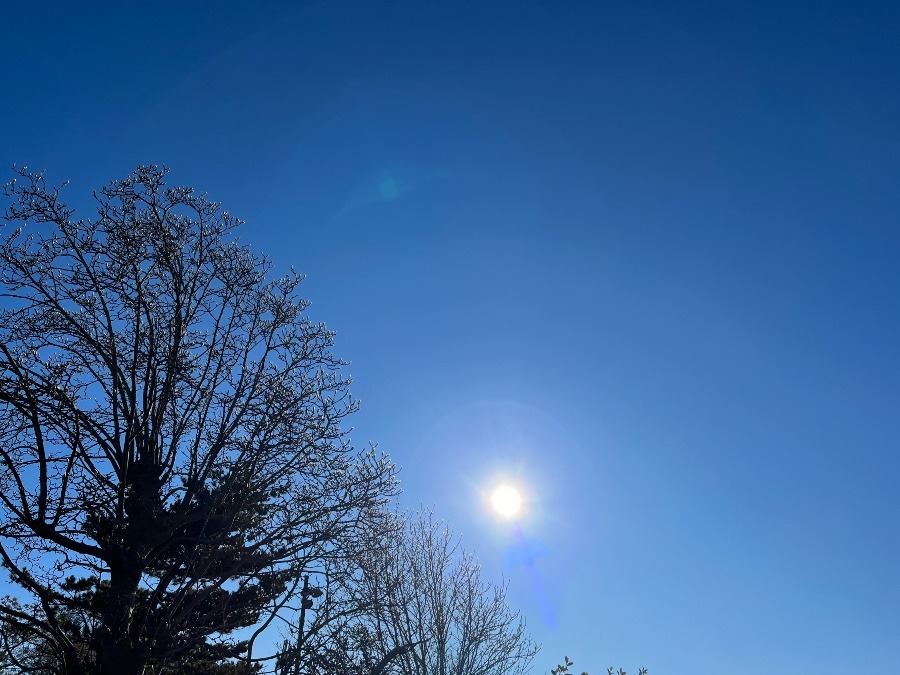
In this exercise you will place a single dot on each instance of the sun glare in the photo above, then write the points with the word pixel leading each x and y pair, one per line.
pixel 506 501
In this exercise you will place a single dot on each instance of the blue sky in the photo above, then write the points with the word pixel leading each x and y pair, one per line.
pixel 640 258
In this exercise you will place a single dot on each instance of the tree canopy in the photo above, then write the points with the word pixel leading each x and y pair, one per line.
pixel 425 610
pixel 172 455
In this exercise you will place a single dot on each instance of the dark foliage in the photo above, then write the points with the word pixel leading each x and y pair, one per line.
pixel 563 669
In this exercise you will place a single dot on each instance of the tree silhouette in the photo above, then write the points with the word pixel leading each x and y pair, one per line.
pixel 563 669
pixel 172 457
pixel 427 611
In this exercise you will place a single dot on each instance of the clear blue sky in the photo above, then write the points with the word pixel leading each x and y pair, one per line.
pixel 642 258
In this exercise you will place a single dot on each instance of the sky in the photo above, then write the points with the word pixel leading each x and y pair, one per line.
pixel 640 259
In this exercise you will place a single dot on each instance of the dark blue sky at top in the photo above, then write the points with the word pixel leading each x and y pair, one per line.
pixel 642 258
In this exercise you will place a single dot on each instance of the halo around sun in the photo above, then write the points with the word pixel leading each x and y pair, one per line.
pixel 506 501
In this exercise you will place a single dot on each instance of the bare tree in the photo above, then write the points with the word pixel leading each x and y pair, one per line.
pixel 172 457
pixel 330 634
pixel 433 614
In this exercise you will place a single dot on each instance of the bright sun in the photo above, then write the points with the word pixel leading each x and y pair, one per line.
pixel 506 501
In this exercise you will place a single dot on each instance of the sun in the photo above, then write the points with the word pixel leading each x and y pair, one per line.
pixel 506 501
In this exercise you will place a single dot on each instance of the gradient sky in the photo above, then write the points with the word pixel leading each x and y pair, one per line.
pixel 641 258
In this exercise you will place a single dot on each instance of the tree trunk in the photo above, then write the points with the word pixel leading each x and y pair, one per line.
pixel 121 651
pixel 117 652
